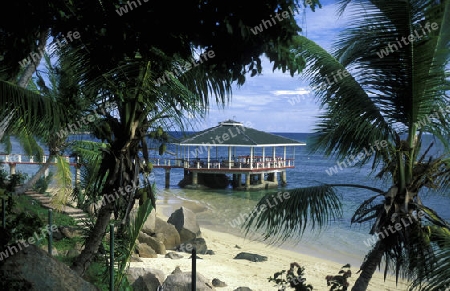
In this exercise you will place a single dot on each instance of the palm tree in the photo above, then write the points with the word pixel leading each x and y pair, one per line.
pixel 395 97
pixel 109 70
pixel 54 83
pixel 141 107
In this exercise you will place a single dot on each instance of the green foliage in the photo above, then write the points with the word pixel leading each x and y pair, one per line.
pixel 294 279
pixel 26 204
pixel 126 243
pixel 97 274
pixel 16 179
pixel 63 179
pixel 306 207
pixel 339 282
pixel 41 185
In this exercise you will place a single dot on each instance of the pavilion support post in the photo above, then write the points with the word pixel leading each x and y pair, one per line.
pixel 264 157
pixel 273 177
pixel 12 168
pixel 251 157
pixel 209 156
pixel 167 178
pixel 229 158
pixel 236 180
pixel 194 178
pixel 274 156
pixel 283 178
pixel 261 178
pixel 247 180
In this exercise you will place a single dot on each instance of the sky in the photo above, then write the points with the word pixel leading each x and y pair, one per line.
pixel 275 101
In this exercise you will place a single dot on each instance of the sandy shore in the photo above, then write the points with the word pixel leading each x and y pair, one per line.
pixel 237 273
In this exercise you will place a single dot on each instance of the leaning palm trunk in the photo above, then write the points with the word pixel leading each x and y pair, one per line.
pixel 82 262
pixel 30 183
pixel 373 261
pixel 119 170
pixel 31 68
pixel 111 166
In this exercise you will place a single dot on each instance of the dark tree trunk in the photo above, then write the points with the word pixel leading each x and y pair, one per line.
pixel 31 68
pixel 118 177
pixel 83 261
pixel 368 269
pixel 23 82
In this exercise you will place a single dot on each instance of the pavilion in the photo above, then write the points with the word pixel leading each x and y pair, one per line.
pixel 254 154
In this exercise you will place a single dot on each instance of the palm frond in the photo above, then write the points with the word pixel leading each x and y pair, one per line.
pixel 132 231
pixel 439 277
pixel 279 220
pixel 368 210
pixel 351 120
pixel 29 143
pixel 29 109
pixel 63 178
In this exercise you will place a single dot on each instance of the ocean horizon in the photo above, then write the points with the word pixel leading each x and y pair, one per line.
pixel 340 241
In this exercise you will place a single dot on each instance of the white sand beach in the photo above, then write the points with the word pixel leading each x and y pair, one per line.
pixel 237 273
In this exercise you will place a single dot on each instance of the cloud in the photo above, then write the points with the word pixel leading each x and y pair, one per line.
pixel 274 101
pixel 297 91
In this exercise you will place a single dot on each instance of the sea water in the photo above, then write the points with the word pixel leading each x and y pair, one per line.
pixel 340 241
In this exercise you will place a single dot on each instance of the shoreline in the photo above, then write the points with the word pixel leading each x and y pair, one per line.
pixel 243 273
pixel 305 246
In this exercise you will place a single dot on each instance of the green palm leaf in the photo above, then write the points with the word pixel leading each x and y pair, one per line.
pixel 279 220
pixel 36 112
pixel 63 177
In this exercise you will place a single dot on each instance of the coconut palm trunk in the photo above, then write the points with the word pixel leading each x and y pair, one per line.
pixel 31 182
pixel 386 94
pixel 32 66
pixel 373 261
pixel 119 177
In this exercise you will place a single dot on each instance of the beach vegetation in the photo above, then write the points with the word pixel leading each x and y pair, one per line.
pixel 381 99
pixel 339 282
pixel 103 70
pixel 291 278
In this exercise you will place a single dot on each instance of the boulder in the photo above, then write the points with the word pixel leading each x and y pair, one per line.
pixel 33 269
pixel 45 249
pixel 173 256
pixel 185 221
pixel 242 289
pixel 69 232
pixel 217 283
pixel 156 245
pixel 146 251
pixel 198 243
pixel 181 281
pixel 57 235
pixel 149 226
pixel 72 253
pixel 250 257
pixel 145 279
pixel 171 237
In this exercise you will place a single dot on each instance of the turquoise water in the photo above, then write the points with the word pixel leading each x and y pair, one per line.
pixel 340 242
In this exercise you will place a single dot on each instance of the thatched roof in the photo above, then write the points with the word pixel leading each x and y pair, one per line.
pixel 233 133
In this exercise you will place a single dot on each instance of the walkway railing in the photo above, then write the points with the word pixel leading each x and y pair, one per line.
pixel 238 164
pixel 24 159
